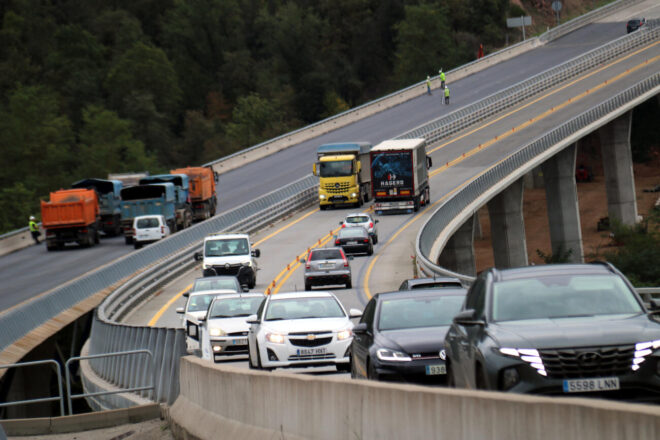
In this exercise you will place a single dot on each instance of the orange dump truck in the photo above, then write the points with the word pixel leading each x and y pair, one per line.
pixel 71 215
pixel 201 187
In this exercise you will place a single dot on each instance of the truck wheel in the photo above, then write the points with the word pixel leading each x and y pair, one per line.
pixel 308 286
pixel 428 196
pixel 137 245
pixel 51 247
pixel 97 237
pixel 360 202
pixel 416 204
pixel 173 226
pixel 323 207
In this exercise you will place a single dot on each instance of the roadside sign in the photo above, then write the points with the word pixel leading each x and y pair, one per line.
pixel 519 21
pixel 556 6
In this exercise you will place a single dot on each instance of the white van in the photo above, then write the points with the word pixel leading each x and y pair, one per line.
pixel 230 254
pixel 149 228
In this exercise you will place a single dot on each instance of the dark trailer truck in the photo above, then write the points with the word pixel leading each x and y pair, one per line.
pixel 109 194
pixel 399 175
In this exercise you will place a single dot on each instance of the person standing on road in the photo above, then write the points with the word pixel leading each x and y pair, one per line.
pixel 34 229
pixel 442 78
pixel 446 95
pixel 428 84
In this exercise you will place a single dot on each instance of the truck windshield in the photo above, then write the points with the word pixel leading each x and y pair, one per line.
pixel 229 246
pixel 338 168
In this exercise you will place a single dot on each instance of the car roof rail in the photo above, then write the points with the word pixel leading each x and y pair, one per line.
pixel 607 264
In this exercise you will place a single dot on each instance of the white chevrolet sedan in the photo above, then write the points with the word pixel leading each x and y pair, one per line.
pixel 301 329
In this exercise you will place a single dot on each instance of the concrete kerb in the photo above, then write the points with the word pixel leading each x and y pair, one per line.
pixel 283 405
pixel 81 422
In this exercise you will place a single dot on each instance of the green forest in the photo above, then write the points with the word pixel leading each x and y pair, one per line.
pixel 97 86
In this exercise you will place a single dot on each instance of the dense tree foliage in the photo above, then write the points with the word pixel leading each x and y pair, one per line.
pixel 97 86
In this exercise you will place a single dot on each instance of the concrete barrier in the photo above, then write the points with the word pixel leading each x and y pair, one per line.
pixel 249 404
pixel 81 422
pixel 15 240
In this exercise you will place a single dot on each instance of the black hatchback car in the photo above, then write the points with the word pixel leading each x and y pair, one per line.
pixel 634 24
pixel 578 329
pixel 400 336
pixel 355 240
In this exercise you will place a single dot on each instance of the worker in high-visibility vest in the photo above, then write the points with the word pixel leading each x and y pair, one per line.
pixel 442 78
pixel 34 229
pixel 446 95
pixel 428 84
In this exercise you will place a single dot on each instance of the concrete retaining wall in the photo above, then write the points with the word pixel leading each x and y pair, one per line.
pixel 248 404
pixel 14 241
pixel 81 422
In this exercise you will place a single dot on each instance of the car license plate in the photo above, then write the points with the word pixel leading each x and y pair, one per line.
pixel 432 370
pixel 239 341
pixel 351 242
pixel 589 385
pixel 327 265
pixel 311 351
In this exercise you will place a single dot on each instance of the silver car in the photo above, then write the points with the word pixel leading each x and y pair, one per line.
pixel 364 220
pixel 327 266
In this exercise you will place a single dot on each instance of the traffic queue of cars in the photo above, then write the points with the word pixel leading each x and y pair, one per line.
pixel 562 329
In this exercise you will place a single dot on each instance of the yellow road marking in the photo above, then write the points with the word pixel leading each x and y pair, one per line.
pixel 162 310
pixel 285 227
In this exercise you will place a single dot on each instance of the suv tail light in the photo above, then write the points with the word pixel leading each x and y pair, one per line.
pixel 366 240
pixel 371 225
pixel 344 257
pixel 162 229
pixel 337 243
pixel 309 257
pixel 343 225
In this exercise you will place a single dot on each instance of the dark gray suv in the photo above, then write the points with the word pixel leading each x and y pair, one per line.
pixel 325 266
pixel 578 329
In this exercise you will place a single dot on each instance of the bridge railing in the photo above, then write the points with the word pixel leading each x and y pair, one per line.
pixel 454 211
pixel 456 121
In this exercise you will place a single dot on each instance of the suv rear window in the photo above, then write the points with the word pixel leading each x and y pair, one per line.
pixel 357 219
pixel 147 223
pixel 326 254
pixel 352 232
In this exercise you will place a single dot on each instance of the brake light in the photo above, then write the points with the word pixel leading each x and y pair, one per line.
pixel 343 225
pixel 344 257
pixel 366 240
pixel 309 257
pixel 371 224
pixel 162 229
pixel 337 243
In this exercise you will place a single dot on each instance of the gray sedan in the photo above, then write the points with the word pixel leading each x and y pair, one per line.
pixel 327 266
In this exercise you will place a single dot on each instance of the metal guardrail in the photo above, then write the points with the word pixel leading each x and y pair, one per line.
pixel 133 384
pixel 60 396
pixel 460 206
pixel 19 321
pixel 460 119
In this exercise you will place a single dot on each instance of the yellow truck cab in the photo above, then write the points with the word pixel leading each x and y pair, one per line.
pixel 344 174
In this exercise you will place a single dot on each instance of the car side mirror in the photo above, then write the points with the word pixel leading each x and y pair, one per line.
pixel 252 319
pixel 180 310
pixel 429 162
pixel 198 256
pixel 256 253
pixel 466 317
pixel 654 304
pixel 192 330
pixel 341 222
pixel 354 313
pixel 186 294
pixel 360 328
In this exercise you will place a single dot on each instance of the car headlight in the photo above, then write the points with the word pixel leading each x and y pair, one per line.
pixel 247 263
pixel 385 354
pixel 275 338
pixel 322 196
pixel 205 266
pixel 643 349
pixel 353 195
pixel 214 331
pixel 344 334
pixel 528 355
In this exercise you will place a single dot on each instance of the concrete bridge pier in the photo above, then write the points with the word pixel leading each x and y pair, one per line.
pixel 618 169
pixel 562 202
pixel 507 227
pixel 458 254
